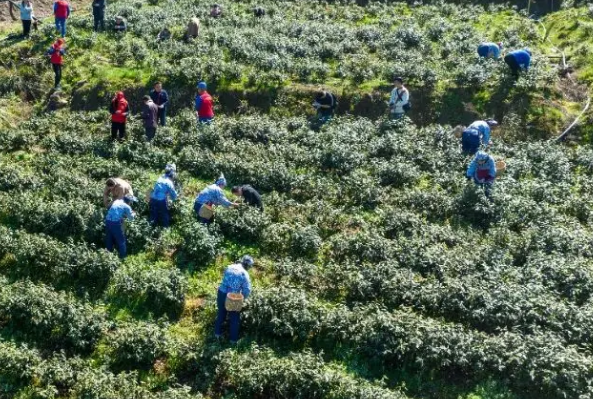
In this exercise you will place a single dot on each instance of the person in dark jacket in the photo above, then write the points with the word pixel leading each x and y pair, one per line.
pixel 99 14
pixel 259 11
pixel 121 25
pixel 215 11
pixel 249 194
pixel 56 53
pixel 119 111
pixel 149 115
pixel 161 99
pixel 325 103
pixel 163 35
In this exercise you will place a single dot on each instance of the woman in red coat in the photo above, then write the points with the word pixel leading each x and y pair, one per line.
pixel 119 110
pixel 56 54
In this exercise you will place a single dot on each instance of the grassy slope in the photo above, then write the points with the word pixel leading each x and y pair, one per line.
pixel 90 76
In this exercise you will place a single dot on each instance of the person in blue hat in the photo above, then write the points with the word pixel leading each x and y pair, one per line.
pixel 163 188
pixel 210 196
pixel 204 105
pixel 489 50
pixel 235 281
pixel 475 135
pixel 482 169
pixel 114 224
pixel 518 60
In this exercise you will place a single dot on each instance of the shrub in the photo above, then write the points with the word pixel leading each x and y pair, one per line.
pixel 135 345
pixel 154 289
pixel 54 320
pixel 200 244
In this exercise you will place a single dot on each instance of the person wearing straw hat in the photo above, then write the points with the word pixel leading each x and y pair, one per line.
pixel 209 197
pixel 490 50
pixel 163 188
pixel 233 290
pixel 114 224
pixel 482 170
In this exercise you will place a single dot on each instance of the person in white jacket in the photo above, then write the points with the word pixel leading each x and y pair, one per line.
pixel 400 99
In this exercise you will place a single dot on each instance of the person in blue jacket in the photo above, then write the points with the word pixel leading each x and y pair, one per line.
pixel 114 224
pixel 163 188
pixel 489 50
pixel 477 134
pixel 518 60
pixel 482 169
pixel 212 195
pixel 235 280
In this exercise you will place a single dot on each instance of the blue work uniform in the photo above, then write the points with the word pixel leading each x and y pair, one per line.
pixel 114 226
pixel 235 280
pixel 211 195
pixel 159 212
pixel 487 50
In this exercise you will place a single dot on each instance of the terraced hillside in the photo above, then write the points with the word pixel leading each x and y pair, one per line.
pixel 380 271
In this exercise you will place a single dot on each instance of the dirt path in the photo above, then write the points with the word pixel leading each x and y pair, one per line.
pixel 41 8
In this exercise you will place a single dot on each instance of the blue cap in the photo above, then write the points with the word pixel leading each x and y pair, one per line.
pixel 491 122
pixel 247 261
pixel 202 85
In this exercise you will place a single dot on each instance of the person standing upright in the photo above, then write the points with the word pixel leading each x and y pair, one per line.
pixel 99 14
pixel 204 105
pixel 161 99
pixel 119 110
pixel 400 99
pixel 56 54
pixel 61 14
pixel 26 8
pixel 149 115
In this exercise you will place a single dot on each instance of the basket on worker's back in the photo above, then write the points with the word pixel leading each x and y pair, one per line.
pixel 501 166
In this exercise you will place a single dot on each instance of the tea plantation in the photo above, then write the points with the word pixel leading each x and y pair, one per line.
pixel 381 272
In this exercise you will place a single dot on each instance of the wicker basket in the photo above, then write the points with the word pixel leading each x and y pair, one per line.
pixel 501 166
pixel 234 302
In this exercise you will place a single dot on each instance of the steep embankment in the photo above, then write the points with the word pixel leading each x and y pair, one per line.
pixel 273 64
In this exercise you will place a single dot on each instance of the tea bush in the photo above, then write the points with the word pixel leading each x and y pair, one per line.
pixel 298 375
pixel 154 289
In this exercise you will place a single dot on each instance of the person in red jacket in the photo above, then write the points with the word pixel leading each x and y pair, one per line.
pixel 119 110
pixel 56 53
pixel 204 106
pixel 61 13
